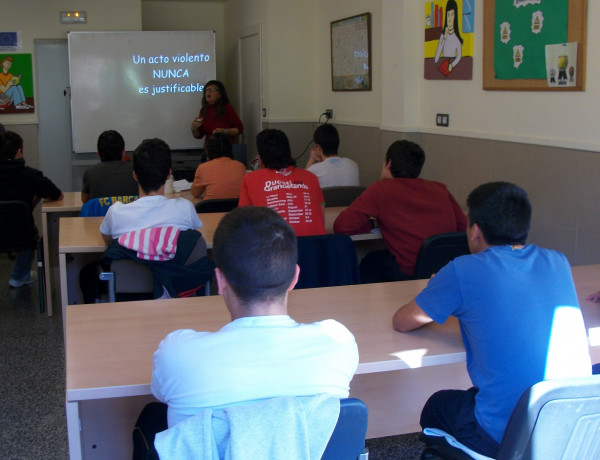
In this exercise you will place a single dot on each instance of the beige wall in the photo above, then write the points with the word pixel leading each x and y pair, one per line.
pixel 182 15
pixel 547 142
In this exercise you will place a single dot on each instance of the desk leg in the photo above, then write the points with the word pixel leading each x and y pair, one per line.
pixel 74 430
pixel 47 268
pixel 64 292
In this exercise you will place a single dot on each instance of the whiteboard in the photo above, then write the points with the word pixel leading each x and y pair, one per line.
pixel 141 84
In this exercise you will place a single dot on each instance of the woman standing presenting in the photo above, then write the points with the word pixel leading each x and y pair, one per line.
pixel 216 115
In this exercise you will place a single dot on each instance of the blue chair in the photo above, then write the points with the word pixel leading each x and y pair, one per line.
pixel 327 260
pixel 98 207
pixel 347 441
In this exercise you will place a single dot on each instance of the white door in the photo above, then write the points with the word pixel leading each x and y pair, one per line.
pixel 250 87
pixel 52 105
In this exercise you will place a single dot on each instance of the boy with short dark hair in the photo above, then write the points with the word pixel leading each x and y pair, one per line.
pixel 518 313
pixel 408 210
pixel 112 176
pixel 20 182
pixel 331 169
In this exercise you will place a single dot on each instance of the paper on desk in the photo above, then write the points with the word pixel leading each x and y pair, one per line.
pixel 181 185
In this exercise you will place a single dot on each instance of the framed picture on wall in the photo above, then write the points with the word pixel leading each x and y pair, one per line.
pixel 351 53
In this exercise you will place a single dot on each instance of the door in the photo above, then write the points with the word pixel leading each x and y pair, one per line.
pixel 250 87
pixel 52 100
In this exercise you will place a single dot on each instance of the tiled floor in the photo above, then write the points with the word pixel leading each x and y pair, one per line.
pixel 32 375
pixel 32 383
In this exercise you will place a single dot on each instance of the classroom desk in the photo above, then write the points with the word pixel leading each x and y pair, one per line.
pixel 80 237
pixel 52 212
pixel 109 355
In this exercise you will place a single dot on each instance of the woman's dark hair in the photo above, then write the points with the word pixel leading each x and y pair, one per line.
pixel 273 147
pixel 451 5
pixel 221 102
pixel 502 211
pixel 218 145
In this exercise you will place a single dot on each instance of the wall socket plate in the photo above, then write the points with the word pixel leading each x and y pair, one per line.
pixel 329 113
pixel 442 119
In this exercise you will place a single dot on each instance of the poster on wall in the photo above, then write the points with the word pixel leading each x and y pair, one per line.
pixel 449 29
pixel 522 30
pixel 16 84
pixel 561 64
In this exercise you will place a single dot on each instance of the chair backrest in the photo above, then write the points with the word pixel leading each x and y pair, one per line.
pixel 17 230
pixel 98 207
pixel 327 260
pixel 437 250
pixel 222 205
pixel 555 419
pixel 239 153
pixel 348 438
pixel 341 195
pixel 132 277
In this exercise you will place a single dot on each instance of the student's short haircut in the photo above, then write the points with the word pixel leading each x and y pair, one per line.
pixel 10 143
pixel 152 164
pixel 273 147
pixel 218 145
pixel 257 252
pixel 328 138
pixel 407 159
pixel 502 211
pixel 110 145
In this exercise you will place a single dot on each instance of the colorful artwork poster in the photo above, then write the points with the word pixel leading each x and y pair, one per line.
pixel 449 30
pixel 522 29
pixel 16 84
pixel 561 64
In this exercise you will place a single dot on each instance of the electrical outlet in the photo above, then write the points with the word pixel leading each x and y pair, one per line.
pixel 329 113
pixel 442 119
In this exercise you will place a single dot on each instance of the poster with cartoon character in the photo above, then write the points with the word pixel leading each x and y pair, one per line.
pixel 449 27
pixel 16 84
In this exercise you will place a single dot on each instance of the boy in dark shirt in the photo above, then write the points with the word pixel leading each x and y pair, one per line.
pixel 20 182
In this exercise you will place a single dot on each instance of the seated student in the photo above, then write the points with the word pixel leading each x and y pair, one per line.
pixel 221 176
pixel 408 210
pixel 151 169
pixel 518 313
pixel 262 353
pixel 20 182
pixel 324 162
pixel 112 176
pixel 293 192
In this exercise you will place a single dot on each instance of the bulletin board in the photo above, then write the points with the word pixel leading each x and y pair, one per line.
pixel 351 53
pixel 576 32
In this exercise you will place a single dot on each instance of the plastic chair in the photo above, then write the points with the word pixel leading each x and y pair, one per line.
pixel 222 205
pixel 348 438
pixel 554 419
pixel 327 260
pixel 341 195
pixel 437 250
pixel 18 232
pixel 239 153
pixel 98 207
pixel 130 278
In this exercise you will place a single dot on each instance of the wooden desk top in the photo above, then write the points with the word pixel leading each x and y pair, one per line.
pixel 109 347
pixel 82 234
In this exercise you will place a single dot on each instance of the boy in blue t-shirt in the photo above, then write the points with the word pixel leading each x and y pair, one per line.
pixel 518 313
